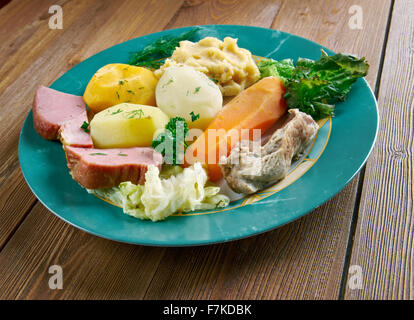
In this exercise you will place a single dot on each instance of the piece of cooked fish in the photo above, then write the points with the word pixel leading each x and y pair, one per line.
pixel 250 167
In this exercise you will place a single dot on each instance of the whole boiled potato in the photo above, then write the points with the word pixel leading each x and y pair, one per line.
pixel 116 83
pixel 182 91
pixel 127 125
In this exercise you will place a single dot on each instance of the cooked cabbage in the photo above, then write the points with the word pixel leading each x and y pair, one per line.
pixel 163 194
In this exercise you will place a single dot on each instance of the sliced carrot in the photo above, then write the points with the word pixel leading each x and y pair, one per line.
pixel 257 107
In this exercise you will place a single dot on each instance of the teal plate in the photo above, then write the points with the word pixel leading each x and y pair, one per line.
pixel 339 152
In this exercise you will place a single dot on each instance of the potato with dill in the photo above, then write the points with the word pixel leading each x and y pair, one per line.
pixel 185 92
pixel 116 83
pixel 127 125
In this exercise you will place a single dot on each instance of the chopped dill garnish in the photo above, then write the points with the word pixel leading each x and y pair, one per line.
pixel 168 82
pixel 121 82
pixel 194 117
pixel 122 155
pixel 98 154
pixel 85 126
pixel 117 94
pixel 131 92
pixel 117 111
pixel 197 90
pixel 133 113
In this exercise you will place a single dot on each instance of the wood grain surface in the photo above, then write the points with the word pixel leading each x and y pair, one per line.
pixel 52 53
pixel 384 242
pixel 306 259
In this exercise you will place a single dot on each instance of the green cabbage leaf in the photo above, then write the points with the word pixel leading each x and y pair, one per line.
pixel 314 87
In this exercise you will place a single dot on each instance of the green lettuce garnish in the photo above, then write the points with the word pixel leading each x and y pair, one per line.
pixel 315 86
pixel 283 69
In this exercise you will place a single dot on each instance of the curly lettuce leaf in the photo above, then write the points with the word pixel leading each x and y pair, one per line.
pixel 282 69
pixel 315 86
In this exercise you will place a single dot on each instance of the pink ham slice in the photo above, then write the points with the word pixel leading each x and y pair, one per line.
pixel 106 168
pixel 71 133
pixel 54 110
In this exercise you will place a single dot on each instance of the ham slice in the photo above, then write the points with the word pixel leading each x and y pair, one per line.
pixel 71 133
pixel 61 114
pixel 105 168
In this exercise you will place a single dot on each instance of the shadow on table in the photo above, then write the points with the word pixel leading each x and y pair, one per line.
pixel 3 3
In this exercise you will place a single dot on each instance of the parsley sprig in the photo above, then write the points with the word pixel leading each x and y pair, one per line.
pixel 171 143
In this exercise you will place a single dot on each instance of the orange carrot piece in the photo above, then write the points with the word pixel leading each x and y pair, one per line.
pixel 257 107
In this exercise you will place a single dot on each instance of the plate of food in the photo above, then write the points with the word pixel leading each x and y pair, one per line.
pixel 198 135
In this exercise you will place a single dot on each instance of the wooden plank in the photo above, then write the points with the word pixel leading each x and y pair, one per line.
pixel 303 259
pixel 39 218
pixel 202 12
pixel 28 26
pixel 16 200
pixel 291 262
pixel 14 21
pixel 327 23
pixel 384 245
pixel 52 52
pixel 79 254
pixel 47 54
pixel 3 3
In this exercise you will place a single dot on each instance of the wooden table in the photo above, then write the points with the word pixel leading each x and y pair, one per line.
pixel 366 230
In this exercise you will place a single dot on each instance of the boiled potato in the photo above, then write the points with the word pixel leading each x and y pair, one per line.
pixel 182 91
pixel 127 125
pixel 117 83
